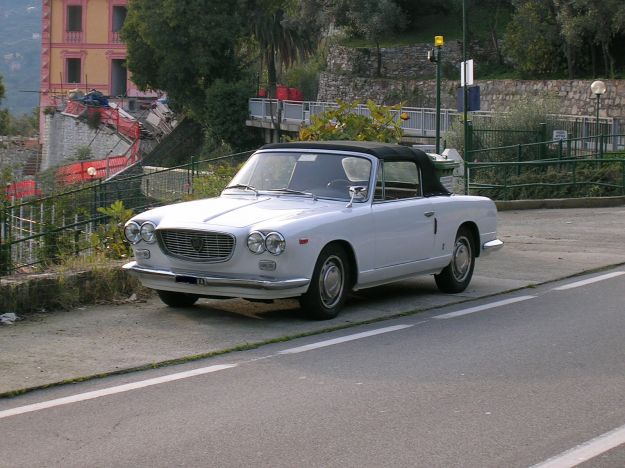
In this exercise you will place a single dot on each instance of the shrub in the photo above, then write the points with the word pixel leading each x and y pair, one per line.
pixel 109 239
pixel 344 124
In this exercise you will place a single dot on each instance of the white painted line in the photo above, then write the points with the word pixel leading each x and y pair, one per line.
pixel 587 450
pixel 112 390
pixel 357 336
pixel 483 307
pixel 589 281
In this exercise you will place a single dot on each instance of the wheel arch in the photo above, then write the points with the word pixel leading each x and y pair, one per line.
pixel 475 235
pixel 351 256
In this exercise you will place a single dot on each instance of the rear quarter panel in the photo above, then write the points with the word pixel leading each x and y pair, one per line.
pixel 454 211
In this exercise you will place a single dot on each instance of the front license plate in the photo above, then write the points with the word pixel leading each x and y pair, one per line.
pixel 188 280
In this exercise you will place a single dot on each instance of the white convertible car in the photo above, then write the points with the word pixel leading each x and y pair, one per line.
pixel 314 220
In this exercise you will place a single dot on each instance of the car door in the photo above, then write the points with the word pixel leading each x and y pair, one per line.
pixel 404 222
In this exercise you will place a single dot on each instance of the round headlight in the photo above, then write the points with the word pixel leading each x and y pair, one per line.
pixel 275 243
pixel 132 231
pixel 256 242
pixel 147 232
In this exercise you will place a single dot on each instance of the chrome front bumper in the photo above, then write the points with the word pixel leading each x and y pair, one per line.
pixel 491 246
pixel 149 275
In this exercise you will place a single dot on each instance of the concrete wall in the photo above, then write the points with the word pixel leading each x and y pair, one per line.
pixel 64 135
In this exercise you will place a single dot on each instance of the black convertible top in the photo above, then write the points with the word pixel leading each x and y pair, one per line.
pixel 385 151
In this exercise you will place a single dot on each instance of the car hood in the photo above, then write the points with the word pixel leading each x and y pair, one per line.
pixel 237 212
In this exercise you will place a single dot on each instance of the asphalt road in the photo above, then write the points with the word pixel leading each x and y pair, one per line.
pixel 512 380
pixel 45 348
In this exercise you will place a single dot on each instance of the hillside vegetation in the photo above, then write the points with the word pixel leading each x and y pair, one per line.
pixel 530 38
pixel 20 48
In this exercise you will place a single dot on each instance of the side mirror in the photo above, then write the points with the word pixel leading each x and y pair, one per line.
pixel 358 193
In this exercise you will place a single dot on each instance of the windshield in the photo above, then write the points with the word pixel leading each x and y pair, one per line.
pixel 322 175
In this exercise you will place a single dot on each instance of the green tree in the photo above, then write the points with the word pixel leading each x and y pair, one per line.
pixel 592 24
pixel 370 19
pixel 183 47
pixel 226 110
pixel 4 114
pixel 283 36
pixel 533 38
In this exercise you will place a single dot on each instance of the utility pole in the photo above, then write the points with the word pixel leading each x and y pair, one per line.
pixel 439 42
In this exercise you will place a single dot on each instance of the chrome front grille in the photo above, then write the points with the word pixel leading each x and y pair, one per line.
pixel 196 246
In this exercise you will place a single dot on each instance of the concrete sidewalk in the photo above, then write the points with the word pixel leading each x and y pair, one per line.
pixel 47 348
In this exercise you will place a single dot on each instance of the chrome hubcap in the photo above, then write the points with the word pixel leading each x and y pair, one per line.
pixel 331 281
pixel 461 263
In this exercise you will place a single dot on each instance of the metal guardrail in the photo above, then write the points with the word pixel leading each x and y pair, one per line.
pixel 422 120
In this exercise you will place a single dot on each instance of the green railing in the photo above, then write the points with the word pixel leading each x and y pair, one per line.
pixel 582 139
pixel 43 231
pixel 560 178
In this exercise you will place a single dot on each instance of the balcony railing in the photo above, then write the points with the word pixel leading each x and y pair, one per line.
pixel 73 36
pixel 115 37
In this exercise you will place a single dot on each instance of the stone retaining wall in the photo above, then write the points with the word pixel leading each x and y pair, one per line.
pixel 407 76
pixel 64 135
pixel 570 97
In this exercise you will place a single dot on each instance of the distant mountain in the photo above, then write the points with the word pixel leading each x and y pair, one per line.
pixel 20 49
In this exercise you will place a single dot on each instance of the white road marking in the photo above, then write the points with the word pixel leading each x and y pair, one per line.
pixel 343 339
pixel 178 376
pixel 589 281
pixel 587 450
pixel 112 390
pixel 492 305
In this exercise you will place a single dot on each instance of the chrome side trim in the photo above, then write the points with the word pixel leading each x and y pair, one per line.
pixel 491 246
pixel 215 281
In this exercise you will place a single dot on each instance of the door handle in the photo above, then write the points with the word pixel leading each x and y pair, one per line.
pixel 429 214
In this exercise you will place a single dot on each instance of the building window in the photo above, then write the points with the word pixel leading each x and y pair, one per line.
pixel 119 13
pixel 74 23
pixel 119 77
pixel 73 70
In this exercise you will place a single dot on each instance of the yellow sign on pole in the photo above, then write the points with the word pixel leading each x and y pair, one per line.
pixel 439 41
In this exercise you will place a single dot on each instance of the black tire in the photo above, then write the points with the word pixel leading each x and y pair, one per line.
pixel 456 276
pixel 330 284
pixel 177 299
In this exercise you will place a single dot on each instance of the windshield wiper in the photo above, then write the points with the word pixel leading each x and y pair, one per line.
pixel 295 192
pixel 242 186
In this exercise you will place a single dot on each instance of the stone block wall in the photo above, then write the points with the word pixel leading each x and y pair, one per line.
pixel 570 97
pixel 397 62
pixel 407 76
pixel 64 135
pixel 21 160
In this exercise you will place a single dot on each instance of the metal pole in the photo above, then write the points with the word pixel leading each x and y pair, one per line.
pixel 464 85
pixel 597 126
pixel 438 100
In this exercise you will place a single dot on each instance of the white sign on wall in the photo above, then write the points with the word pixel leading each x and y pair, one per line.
pixel 469 80
pixel 560 135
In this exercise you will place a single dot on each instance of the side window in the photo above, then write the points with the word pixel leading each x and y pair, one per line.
pixel 398 180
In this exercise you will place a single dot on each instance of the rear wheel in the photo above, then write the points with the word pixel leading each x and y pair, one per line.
pixel 456 276
pixel 329 286
pixel 177 299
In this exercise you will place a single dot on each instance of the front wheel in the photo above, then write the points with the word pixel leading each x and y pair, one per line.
pixel 329 286
pixel 177 299
pixel 456 276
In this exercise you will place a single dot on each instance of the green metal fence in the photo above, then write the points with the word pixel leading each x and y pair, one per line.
pixel 574 167
pixel 44 231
